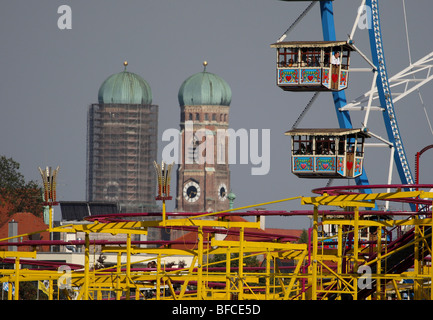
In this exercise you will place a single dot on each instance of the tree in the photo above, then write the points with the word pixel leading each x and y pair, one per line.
pixel 17 195
pixel 304 237
pixel 10 178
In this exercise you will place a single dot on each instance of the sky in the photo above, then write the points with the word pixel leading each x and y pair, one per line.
pixel 50 76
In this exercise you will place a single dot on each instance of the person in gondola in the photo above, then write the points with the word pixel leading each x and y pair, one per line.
pixel 335 69
pixel 301 149
pixel 315 62
pixel 335 60
pixel 290 63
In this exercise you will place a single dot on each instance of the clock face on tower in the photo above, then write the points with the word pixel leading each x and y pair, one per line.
pixel 222 192
pixel 191 191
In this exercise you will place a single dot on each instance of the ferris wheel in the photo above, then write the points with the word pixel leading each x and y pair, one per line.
pixel 307 66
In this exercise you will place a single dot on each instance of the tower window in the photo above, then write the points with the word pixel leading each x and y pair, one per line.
pixel 213 117
pixel 192 151
pixel 197 116
pixel 190 116
pixel 206 116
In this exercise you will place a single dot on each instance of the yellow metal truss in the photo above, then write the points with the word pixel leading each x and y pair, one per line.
pixel 320 270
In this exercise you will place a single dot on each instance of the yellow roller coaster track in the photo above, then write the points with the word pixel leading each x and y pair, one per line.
pixel 351 254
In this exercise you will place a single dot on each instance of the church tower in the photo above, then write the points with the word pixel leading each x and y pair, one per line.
pixel 203 175
pixel 122 143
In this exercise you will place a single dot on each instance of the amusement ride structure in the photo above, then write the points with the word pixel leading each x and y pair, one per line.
pixel 355 249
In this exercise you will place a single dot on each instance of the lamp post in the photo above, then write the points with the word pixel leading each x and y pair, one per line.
pixel 49 180
pixel 163 174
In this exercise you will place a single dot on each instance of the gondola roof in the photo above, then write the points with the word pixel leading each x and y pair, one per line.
pixel 325 132
pixel 312 44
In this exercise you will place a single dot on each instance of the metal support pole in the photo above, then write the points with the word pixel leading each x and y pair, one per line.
pixel 200 264
pixel 314 262
pixel 241 264
pixel 128 266
pixel 379 262
pixel 302 15
pixel 86 266
pixel 50 289
pixel 340 251
pixel 355 24
pixel 17 279
pixel 370 99
pixel 10 289
pixel 163 212
pixel 119 270
pixel 417 155
pixel 356 239
pixel 228 282
pixel 158 277
pixel 431 265
pixel 391 166
pixel 50 226
pixel 416 263
pixel 268 273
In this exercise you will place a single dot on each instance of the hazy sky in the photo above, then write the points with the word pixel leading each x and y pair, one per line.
pixel 51 76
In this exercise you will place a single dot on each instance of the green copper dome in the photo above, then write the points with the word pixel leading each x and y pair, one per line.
pixel 125 88
pixel 204 88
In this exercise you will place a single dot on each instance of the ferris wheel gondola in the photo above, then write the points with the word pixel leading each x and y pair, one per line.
pixel 327 153
pixel 313 65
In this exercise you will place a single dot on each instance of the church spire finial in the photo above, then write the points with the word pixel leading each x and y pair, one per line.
pixel 125 64
pixel 204 65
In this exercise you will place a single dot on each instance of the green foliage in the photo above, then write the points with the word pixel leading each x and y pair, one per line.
pixel 10 178
pixel 304 237
pixel 17 195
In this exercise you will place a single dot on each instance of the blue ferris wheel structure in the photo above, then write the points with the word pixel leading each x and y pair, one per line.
pixel 382 83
